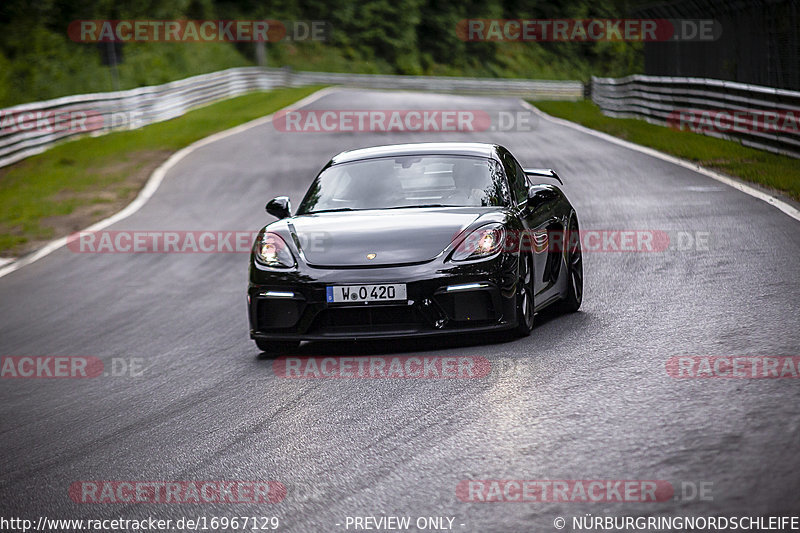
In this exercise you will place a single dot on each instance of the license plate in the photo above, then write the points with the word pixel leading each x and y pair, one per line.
pixel 366 293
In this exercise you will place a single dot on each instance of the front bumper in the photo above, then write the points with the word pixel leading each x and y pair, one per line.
pixel 293 306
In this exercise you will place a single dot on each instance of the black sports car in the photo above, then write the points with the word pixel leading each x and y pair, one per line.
pixel 414 240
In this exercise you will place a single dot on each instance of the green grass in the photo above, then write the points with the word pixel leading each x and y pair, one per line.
pixel 778 172
pixel 48 66
pixel 79 182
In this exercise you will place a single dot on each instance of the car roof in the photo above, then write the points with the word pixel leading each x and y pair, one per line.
pixel 443 148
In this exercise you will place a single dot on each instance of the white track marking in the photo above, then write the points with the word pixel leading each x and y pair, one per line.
pixel 155 180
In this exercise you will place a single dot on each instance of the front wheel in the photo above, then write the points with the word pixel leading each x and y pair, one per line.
pixel 276 347
pixel 525 297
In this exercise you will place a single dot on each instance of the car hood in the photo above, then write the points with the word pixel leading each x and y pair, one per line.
pixel 395 236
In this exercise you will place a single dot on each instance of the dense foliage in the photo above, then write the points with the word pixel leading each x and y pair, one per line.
pixel 38 61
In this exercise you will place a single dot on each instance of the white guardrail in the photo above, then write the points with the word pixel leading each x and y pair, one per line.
pixel 760 117
pixel 29 129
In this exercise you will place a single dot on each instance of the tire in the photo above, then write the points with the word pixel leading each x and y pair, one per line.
pixel 525 308
pixel 276 347
pixel 572 300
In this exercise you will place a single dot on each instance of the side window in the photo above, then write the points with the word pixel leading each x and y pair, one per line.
pixel 525 179
pixel 498 192
pixel 516 178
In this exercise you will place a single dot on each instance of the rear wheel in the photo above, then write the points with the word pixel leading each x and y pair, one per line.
pixel 276 347
pixel 574 296
pixel 525 297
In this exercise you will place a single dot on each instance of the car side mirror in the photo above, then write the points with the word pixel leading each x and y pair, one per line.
pixel 539 195
pixel 280 207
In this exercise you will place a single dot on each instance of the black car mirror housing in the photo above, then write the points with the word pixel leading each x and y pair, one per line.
pixel 279 207
pixel 540 194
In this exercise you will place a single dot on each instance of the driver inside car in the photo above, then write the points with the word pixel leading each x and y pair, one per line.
pixel 468 177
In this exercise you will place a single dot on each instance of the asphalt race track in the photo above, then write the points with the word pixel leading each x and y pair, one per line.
pixel 585 397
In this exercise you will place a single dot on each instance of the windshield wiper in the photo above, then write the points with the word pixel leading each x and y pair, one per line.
pixel 336 209
pixel 331 210
pixel 422 205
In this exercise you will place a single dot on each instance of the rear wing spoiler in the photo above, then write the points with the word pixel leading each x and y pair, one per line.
pixel 542 173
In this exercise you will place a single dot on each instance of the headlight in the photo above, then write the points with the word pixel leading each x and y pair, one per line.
pixel 272 251
pixel 482 242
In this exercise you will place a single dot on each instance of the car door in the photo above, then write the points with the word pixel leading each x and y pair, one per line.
pixel 535 221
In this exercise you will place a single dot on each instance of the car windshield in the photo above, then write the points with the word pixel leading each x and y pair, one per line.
pixel 407 181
